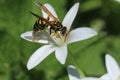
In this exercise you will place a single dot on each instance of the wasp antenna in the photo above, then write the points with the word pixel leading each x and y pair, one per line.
pixel 34 14
pixel 38 4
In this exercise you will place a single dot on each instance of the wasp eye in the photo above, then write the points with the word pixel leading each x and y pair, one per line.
pixel 58 24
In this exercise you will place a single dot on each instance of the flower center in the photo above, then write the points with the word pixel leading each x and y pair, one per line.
pixel 118 78
pixel 57 39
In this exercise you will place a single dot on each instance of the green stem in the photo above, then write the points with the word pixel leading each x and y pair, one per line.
pixel 76 64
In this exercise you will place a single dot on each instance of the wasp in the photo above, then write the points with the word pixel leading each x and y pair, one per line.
pixel 43 23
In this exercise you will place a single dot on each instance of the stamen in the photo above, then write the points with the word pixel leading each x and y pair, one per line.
pixel 118 78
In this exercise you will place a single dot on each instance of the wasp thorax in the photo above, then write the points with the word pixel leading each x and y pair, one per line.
pixel 58 24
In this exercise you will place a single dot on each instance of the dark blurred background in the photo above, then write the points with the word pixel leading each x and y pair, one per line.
pixel 103 15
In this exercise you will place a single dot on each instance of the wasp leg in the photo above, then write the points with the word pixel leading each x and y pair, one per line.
pixel 34 36
pixel 48 18
pixel 50 32
pixel 65 36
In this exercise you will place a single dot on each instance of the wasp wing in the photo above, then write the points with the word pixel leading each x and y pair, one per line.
pixel 45 10
pixel 41 37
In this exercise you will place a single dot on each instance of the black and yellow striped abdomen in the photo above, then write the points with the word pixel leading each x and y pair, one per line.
pixel 39 26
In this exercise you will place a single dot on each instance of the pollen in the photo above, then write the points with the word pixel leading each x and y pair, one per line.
pixel 118 78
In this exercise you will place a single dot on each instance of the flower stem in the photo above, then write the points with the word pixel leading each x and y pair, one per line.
pixel 76 64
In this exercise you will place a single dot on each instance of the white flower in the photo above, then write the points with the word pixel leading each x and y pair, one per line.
pixel 117 0
pixel 56 44
pixel 74 74
pixel 113 71
pixel 105 77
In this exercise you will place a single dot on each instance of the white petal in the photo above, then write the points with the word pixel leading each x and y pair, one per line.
pixel 70 16
pixel 105 77
pixel 73 73
pixel 61 53
pixel 28 36
pixel 90 78
pixel 51 9
pixel 39 55
pixel 112 67
pixel 81 34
